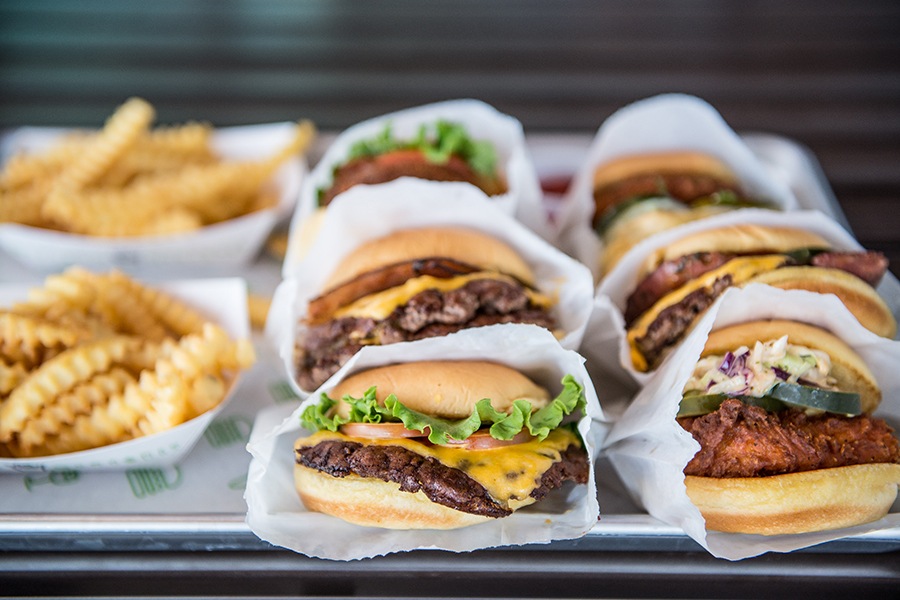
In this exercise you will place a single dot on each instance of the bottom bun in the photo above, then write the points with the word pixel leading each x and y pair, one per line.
pixel 796 502
pixel 376 503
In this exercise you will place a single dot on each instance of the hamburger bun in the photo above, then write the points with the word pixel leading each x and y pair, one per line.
pixel 796 502
pixel 861 299
pixel 847 367
pixel 687 163
pixel 447 389
pixel 376 503
pixel 737 239
pixel 466 245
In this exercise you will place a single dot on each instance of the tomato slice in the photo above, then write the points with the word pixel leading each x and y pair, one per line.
pixel 482 440
pixel 378 431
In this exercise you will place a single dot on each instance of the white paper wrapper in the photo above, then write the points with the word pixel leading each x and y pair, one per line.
pixel 662 123
pixel 483 122
pixel 607 321
pixel 369 212
pixel 223 301
pixel 650 450
pixel 276 514
pixel 227 244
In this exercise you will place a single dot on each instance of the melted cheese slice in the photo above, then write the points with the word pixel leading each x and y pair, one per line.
pixel 508 473
pixel 380 305
pixel 741 269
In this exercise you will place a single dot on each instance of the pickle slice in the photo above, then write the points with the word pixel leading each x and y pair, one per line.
pixel 780 397
pixel 842 403
pixel 695 406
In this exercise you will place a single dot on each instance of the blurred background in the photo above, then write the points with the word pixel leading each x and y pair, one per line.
pixel 824 73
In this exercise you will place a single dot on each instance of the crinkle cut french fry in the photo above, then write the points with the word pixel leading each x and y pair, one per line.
pixel 31 341
pixel 82 400
pixel 11 375
pixel 105 425
pixel 210 355
pixel 60 295
pixel 58 375
pixel 175 315
pixel 121 131
pixel 23 205
pixel 40 167
pixel 177 220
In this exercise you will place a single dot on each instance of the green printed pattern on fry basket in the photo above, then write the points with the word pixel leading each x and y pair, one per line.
pixel 281 391
pixel 55 478
pixel 227 431
pixel 149 482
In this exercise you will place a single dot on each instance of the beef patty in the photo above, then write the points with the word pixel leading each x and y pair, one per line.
pixel 322 349
pixel 442 484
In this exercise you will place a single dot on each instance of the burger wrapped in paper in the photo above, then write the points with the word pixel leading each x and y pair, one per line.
pixel 453 141
pixel 667 282
pixel 656 164
pixel 781 412
pixel 484 439
pixel 437 445
pixel 414 272
pixel 764 417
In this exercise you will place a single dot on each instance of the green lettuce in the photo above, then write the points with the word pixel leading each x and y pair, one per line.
pixel 448 139
pixel 503 426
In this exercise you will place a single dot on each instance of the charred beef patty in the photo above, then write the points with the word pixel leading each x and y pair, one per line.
pixel 674 320
pixel 870 266
pixel 403 163
pixel 382 279
pixel 324 348
pixel 442 484
pixel 739 440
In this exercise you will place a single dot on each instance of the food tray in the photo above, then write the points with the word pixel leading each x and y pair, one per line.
pixel 159 509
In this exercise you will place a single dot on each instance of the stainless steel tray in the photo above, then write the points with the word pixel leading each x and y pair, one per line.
pixel 211 525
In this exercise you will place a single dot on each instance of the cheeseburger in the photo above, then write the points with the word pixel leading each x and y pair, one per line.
pixel 438 445
pixel 781 412
pixel 638 195
pixel 445 152
pixel 685 277
pixel 415 284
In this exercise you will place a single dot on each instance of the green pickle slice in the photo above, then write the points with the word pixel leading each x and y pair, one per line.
pixel 842 403
pixel 780 397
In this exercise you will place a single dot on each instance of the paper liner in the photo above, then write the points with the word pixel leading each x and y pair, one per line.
pixel 607 321
pixel 483 122
pixel 661 123
pixel 227 244
pixel 368 212
pixel 276 514
pixel 222 301
pixel 650 450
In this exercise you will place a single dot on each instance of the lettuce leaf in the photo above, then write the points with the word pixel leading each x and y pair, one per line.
pixel 503 426
pixel 447 140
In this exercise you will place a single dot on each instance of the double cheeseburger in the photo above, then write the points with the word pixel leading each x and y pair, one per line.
pixel 415 284
pixel 638 195
pixel 446 153
pixel 781 412
pixel 684 278
pixel 438 445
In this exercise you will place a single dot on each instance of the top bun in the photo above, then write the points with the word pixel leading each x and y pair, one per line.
pixel 446 389
pixel 847 367
pixel 659 163
pixel 739 239
pixel 465 245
